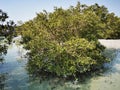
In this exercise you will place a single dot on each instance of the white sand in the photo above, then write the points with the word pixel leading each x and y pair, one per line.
pixel 110 43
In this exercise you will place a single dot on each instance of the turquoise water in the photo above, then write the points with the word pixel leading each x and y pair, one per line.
pixel 14 76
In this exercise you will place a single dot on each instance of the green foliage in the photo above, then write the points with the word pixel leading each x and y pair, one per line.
pixel 6 28
pixel 74 56
pixel 65 42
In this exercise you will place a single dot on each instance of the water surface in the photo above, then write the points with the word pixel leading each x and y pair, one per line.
pixel 14 76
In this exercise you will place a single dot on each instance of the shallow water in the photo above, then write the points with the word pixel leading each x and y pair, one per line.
pixel 14 76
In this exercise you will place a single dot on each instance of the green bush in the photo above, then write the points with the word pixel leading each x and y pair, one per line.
pixel 69 58
pixel 65 42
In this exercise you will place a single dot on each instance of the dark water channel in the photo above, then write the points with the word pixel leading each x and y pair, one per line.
pixel 14 76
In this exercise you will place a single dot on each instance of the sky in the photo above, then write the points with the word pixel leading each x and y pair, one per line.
pixel 25 10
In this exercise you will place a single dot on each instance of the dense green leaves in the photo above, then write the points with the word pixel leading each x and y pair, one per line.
pixel 6 28
pixel 73 56
pixel 65 42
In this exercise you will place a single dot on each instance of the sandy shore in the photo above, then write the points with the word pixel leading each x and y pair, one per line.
pixel 110 43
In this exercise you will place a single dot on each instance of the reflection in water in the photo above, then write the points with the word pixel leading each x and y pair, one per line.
pixel 2 81
pixel 3 51
pixel 13 75
pixel 12 71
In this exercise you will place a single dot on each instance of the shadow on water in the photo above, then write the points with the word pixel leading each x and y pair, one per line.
pixel 2 80
pixel 3 52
